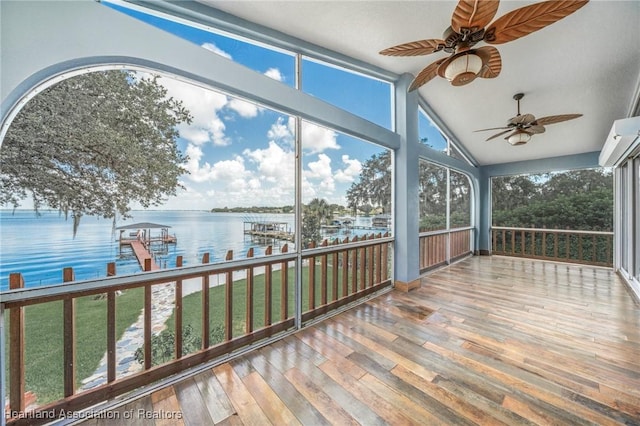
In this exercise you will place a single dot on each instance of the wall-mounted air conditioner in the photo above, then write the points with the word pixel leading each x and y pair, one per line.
pixel 623 138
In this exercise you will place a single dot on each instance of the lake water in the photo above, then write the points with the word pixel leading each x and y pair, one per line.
pixel 39 247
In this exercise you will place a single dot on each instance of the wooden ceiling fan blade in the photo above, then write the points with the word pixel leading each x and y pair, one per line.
pixel 491 61
pixel 536 129
pixel 528 19
pixel 473 14
pixel 552 119
pixel 494 128
pixel 522 119
pixel 415 48
pixel 498 134
pixel 426 74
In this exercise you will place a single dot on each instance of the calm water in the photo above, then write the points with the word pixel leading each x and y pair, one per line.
pixel 40 247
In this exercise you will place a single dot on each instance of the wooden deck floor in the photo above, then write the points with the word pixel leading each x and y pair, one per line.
pixel 490 340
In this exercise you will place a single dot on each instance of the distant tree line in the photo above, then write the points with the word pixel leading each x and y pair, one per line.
pixel 577 199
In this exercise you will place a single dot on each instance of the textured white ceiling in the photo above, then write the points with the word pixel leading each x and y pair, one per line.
pixel 588 63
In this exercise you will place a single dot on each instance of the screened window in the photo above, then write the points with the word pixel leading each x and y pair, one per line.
pixel 364 96
pixel 429 134
pixel 346 188
pixel 273 63
pixel 459 200
pixel 433 197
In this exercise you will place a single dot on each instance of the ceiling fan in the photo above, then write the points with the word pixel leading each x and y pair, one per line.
pixel 470 24
pixel 523 126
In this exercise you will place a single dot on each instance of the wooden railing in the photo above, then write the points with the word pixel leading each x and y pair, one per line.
pixel 332 274
pixel 563 245
pixel 439 248
pixel 345 271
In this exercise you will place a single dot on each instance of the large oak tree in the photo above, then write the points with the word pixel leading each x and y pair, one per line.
pixel 94 144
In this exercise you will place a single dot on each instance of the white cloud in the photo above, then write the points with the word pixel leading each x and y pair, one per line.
pixel 281 131
pixel 226 170
pixel 318 139
pixel 274 73
pixel 350 172
pixel 244 108
pixel 274 164
pixel 215 49
pixel 321 170
pixel 203 104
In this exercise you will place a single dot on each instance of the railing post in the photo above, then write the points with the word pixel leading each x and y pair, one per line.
pixel 205 304
pixel 228 297
pixel 111 327
pixel 69 332
pixel 16 350
pixel 178 322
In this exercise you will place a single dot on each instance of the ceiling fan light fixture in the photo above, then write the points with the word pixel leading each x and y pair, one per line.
pixel 463 69
pixel 519 138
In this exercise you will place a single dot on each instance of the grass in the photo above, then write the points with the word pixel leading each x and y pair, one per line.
pixel 44 340
pixel 44 334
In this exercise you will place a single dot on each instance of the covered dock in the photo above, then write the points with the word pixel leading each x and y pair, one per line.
pixel 140 238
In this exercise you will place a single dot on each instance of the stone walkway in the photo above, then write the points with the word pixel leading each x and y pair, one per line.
pixel 162 303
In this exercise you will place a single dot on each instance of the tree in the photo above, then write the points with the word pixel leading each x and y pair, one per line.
pixel 374 186
pixel 93 145
pixel 314 214
pixel 578 199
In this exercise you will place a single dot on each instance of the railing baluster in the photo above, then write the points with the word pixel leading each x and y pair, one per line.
pixel 370 256
pixel 378 261
pixel 323 276
pixel 205 305
pixel 111 327
pixel 580 247
pixel 345 270
pixel 267 289
pixel 249 301
pixel 354 268
pixel 334 273
pixel 16 350
pixel 363 263
pixel 568 245
pixel 228 298
pixel 284 289
pixel 533 243
pixel 69 332
pixel 522 242
pixel 178 312
pixel 555 244
pixel 504 241
pixel 513 242
pixel 593 252
pixel 385 259
pixel 312 279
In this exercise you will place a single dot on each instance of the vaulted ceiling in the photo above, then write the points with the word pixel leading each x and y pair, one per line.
pixel 587 63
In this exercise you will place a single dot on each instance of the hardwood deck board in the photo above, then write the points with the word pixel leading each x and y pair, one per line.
pixel 215 398
pixel 271 404
pixel 304 411
pixel 194 408
pixel 245 405
pixel 489 340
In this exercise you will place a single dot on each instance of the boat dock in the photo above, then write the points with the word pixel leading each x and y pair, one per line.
pixel 269 230
pixel 142 254
pixel 141 241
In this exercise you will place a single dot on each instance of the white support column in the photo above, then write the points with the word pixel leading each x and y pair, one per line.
pixel 406 175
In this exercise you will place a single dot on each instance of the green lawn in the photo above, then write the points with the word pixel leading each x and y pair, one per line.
pixel 44 340
pixel 44 335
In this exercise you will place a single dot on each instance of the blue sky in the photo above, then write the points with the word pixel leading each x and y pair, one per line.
pixel 242 154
